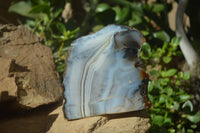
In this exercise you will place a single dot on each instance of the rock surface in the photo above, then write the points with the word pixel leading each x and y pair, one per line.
pixel 28 79
pixel 133 122
pixel 50 119
pixel 28 74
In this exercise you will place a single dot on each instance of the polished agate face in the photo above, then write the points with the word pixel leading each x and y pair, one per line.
pixel 102 75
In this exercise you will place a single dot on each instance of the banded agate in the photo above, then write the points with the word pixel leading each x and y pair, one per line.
pixel 102 75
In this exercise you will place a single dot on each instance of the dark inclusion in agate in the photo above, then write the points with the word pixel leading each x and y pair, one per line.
pixel 102 75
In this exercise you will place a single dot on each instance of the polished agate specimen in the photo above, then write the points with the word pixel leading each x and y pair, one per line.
pixel 103 76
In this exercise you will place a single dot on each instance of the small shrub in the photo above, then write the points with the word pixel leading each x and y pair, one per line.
pixel 172 110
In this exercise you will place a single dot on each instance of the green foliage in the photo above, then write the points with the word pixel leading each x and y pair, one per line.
pixel 162 35
pixel 172 109
pixel 46 22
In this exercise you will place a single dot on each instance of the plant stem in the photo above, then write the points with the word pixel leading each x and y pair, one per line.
pixel 187 49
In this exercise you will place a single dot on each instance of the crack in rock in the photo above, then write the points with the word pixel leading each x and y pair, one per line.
pixel 102 121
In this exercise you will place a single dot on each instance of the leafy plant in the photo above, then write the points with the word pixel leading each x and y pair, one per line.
pixel 172 110
pixel 45 21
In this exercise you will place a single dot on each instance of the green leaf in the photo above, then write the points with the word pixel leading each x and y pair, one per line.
pixel 162 35
pixel 117 12
pixel 135 6
pixel 193 126
pixel 184 97
pixel 57 13
pixel 165 46
pixel 168 103
pixel 180 74
pixel 153 73
pixel 160 52
pixel 175 106
pixel 168 73
pixel 158 8
pixel 61 27
pixel 22 8
pixel 190 131
pixel 151 98
pixel 188 104
pixel 175 41
pixel 150 86
pixel 167 59
pixel 186 75
pixel 194 118
pixel 40 8
pixel 135 20
pixel 124 14
pixel 162 98
pixel 167 120
pixel 171 130
pixel 146 49
pixel 180 92
pixel 102 7
pixel 165 81
pixel 169 90
pixel 158 120
pixel 145 33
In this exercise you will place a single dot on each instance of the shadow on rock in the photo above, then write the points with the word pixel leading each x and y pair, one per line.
pixel 37 120
pixel 140 113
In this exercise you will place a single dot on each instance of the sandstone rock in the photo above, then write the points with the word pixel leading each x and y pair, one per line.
pixel 34 121
pixel 8 87
pixel 133 122
pixel 16 35
pixel 50 119
pixel 27 69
